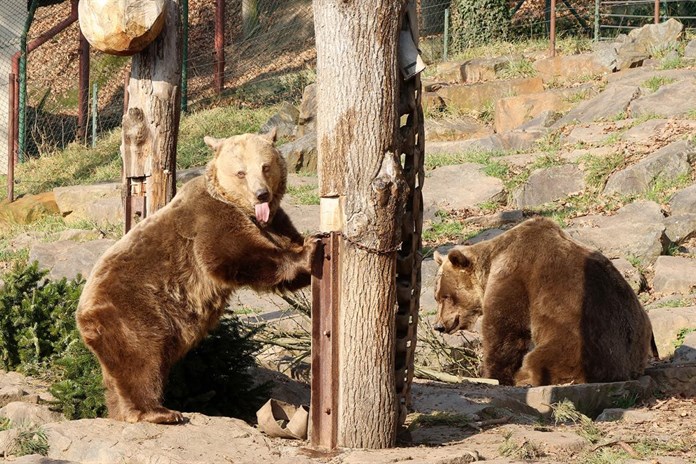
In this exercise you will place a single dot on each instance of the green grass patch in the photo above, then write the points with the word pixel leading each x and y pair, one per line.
pixel 566 412
pixel 654 83
pixel 577 97
pixel 604 456
pixel 517 69
pixel 304 194
pixel 599 168
pixel 445 228
pixel 525 450
pixel 681 335
pixel 436 160
pixel 672 62
pixel 30 439
pixel 661 189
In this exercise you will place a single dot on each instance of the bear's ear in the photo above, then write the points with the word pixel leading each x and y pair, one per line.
pixel 458 258
pixel 271 135
pixel 437 256
pixel 213 143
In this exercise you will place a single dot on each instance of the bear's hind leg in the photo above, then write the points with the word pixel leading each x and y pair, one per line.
pixel 550 365
pixel 503 356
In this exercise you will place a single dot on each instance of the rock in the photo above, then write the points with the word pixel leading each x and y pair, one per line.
pixel 594 134
pixel 38 459
pixel 549 184
pixel 521 160
pixel 674 274
pixel 605 54
pixel 667 323
pixel 674 380
pixel 482 69
pixel 301 155
pixel 642 43
pixel 284 121
pixel 29 208
pixel 483 236
pixel 490 143
pixel 680 227
pixel 638 76
pixel 21 413
pixel 686 352
pixel 576 155
pixel 8 438
pixel 684 201
pixel 498 219
pixel 668 163
pixel 626 415
pixel 521 139
pixel 121 27
pixel 553 442
pixel 589 398
pixel 185 175
pixel 632 275
pixel 614 100
pixel 455 129
pixel 644 132
pixel 668 101
pixel 449 72
pixel 304 217
pixel 68 259
pixel 432 103
pixel 307 119
pixel 100 203
pixel 459 187
pixel 512 112
pixel 475 97
pixel 690 50
pixel 635 230
pixel 571 67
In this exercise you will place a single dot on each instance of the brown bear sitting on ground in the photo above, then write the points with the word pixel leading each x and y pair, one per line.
pixel 160 289
pixel 553 310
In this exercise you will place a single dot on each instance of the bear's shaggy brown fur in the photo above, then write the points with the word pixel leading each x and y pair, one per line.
pixel 160 289
pixel 553 310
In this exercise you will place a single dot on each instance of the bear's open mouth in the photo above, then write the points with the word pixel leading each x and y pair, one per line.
pixel 263 212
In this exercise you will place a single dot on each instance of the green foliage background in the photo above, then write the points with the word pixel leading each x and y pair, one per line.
pixel 479 22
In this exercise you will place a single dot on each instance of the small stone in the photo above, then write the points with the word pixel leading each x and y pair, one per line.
pixel 674 274
pixel 549 184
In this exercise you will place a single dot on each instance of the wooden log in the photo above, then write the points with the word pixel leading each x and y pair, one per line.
pixel 121 27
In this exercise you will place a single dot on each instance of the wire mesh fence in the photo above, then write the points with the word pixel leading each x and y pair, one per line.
pixel 266 55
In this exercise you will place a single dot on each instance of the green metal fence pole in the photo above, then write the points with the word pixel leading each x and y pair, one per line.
pixel 22 142
pixel 446 34
pixel 596 20
pixel 184 56
pixel 94 115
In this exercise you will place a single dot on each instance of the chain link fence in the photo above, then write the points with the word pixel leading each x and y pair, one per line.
pixel 268 52
pixel 620 16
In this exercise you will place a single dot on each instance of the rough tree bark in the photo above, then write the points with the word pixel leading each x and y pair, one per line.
pixel 151 123
pixel 357 77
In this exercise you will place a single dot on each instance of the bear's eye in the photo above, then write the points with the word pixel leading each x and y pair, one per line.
pixel 266 168
pixel 241 174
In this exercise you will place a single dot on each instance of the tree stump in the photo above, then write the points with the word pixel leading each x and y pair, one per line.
pixel 121 27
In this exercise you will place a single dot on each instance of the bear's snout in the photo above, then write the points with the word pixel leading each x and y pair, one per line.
pixel 263 195
pixel 439 327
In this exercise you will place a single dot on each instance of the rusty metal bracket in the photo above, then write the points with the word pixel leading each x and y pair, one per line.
pixel 325 301
pixel 135 203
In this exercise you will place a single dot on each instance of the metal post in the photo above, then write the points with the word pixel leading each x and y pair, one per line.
pixel 11 137
pixel 219 45
pixel 94 115
pixel 184 56
pixel 83 90
pixel 657 11
pixel 21 124
pixel 552 28
pixel 325 298
pixel 596 20
pixel 446 44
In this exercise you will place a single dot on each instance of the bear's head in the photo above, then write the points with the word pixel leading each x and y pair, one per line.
pixel 458 290
pixel 249 172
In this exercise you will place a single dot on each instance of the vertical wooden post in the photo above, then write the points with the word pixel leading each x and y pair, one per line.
pixel 83 90
pixel 552 28
pixel 219 45
pixel 151 123
pixel 657 11
pixel 11 154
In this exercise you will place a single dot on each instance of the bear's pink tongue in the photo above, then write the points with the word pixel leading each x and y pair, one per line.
pixel 263 212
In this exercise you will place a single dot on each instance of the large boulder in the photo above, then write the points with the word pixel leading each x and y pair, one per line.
pixel 121 27
pixel 674 274
pixel 614 100
pixel 684 201
pixel 570 68
pixel 455 129
pixel 669 163
pixel 301 155
pixel 476 96
pixel 100 203
pixel 67 258
pixel 459 187
pixel 549 184
pixel 307 119
pixel 482 69
pixel 29 208
pixel 644 42
pixel 636 230
pixel 668 101
pixel 284 121
pixel 668 323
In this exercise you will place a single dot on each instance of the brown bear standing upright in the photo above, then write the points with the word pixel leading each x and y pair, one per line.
pixel 553 310
pixel 160 289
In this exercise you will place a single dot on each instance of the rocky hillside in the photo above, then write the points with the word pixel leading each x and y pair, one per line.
pixel 600 141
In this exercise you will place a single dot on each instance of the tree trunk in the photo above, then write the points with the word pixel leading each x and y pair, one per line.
pixel 357 77
pixel 151 123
